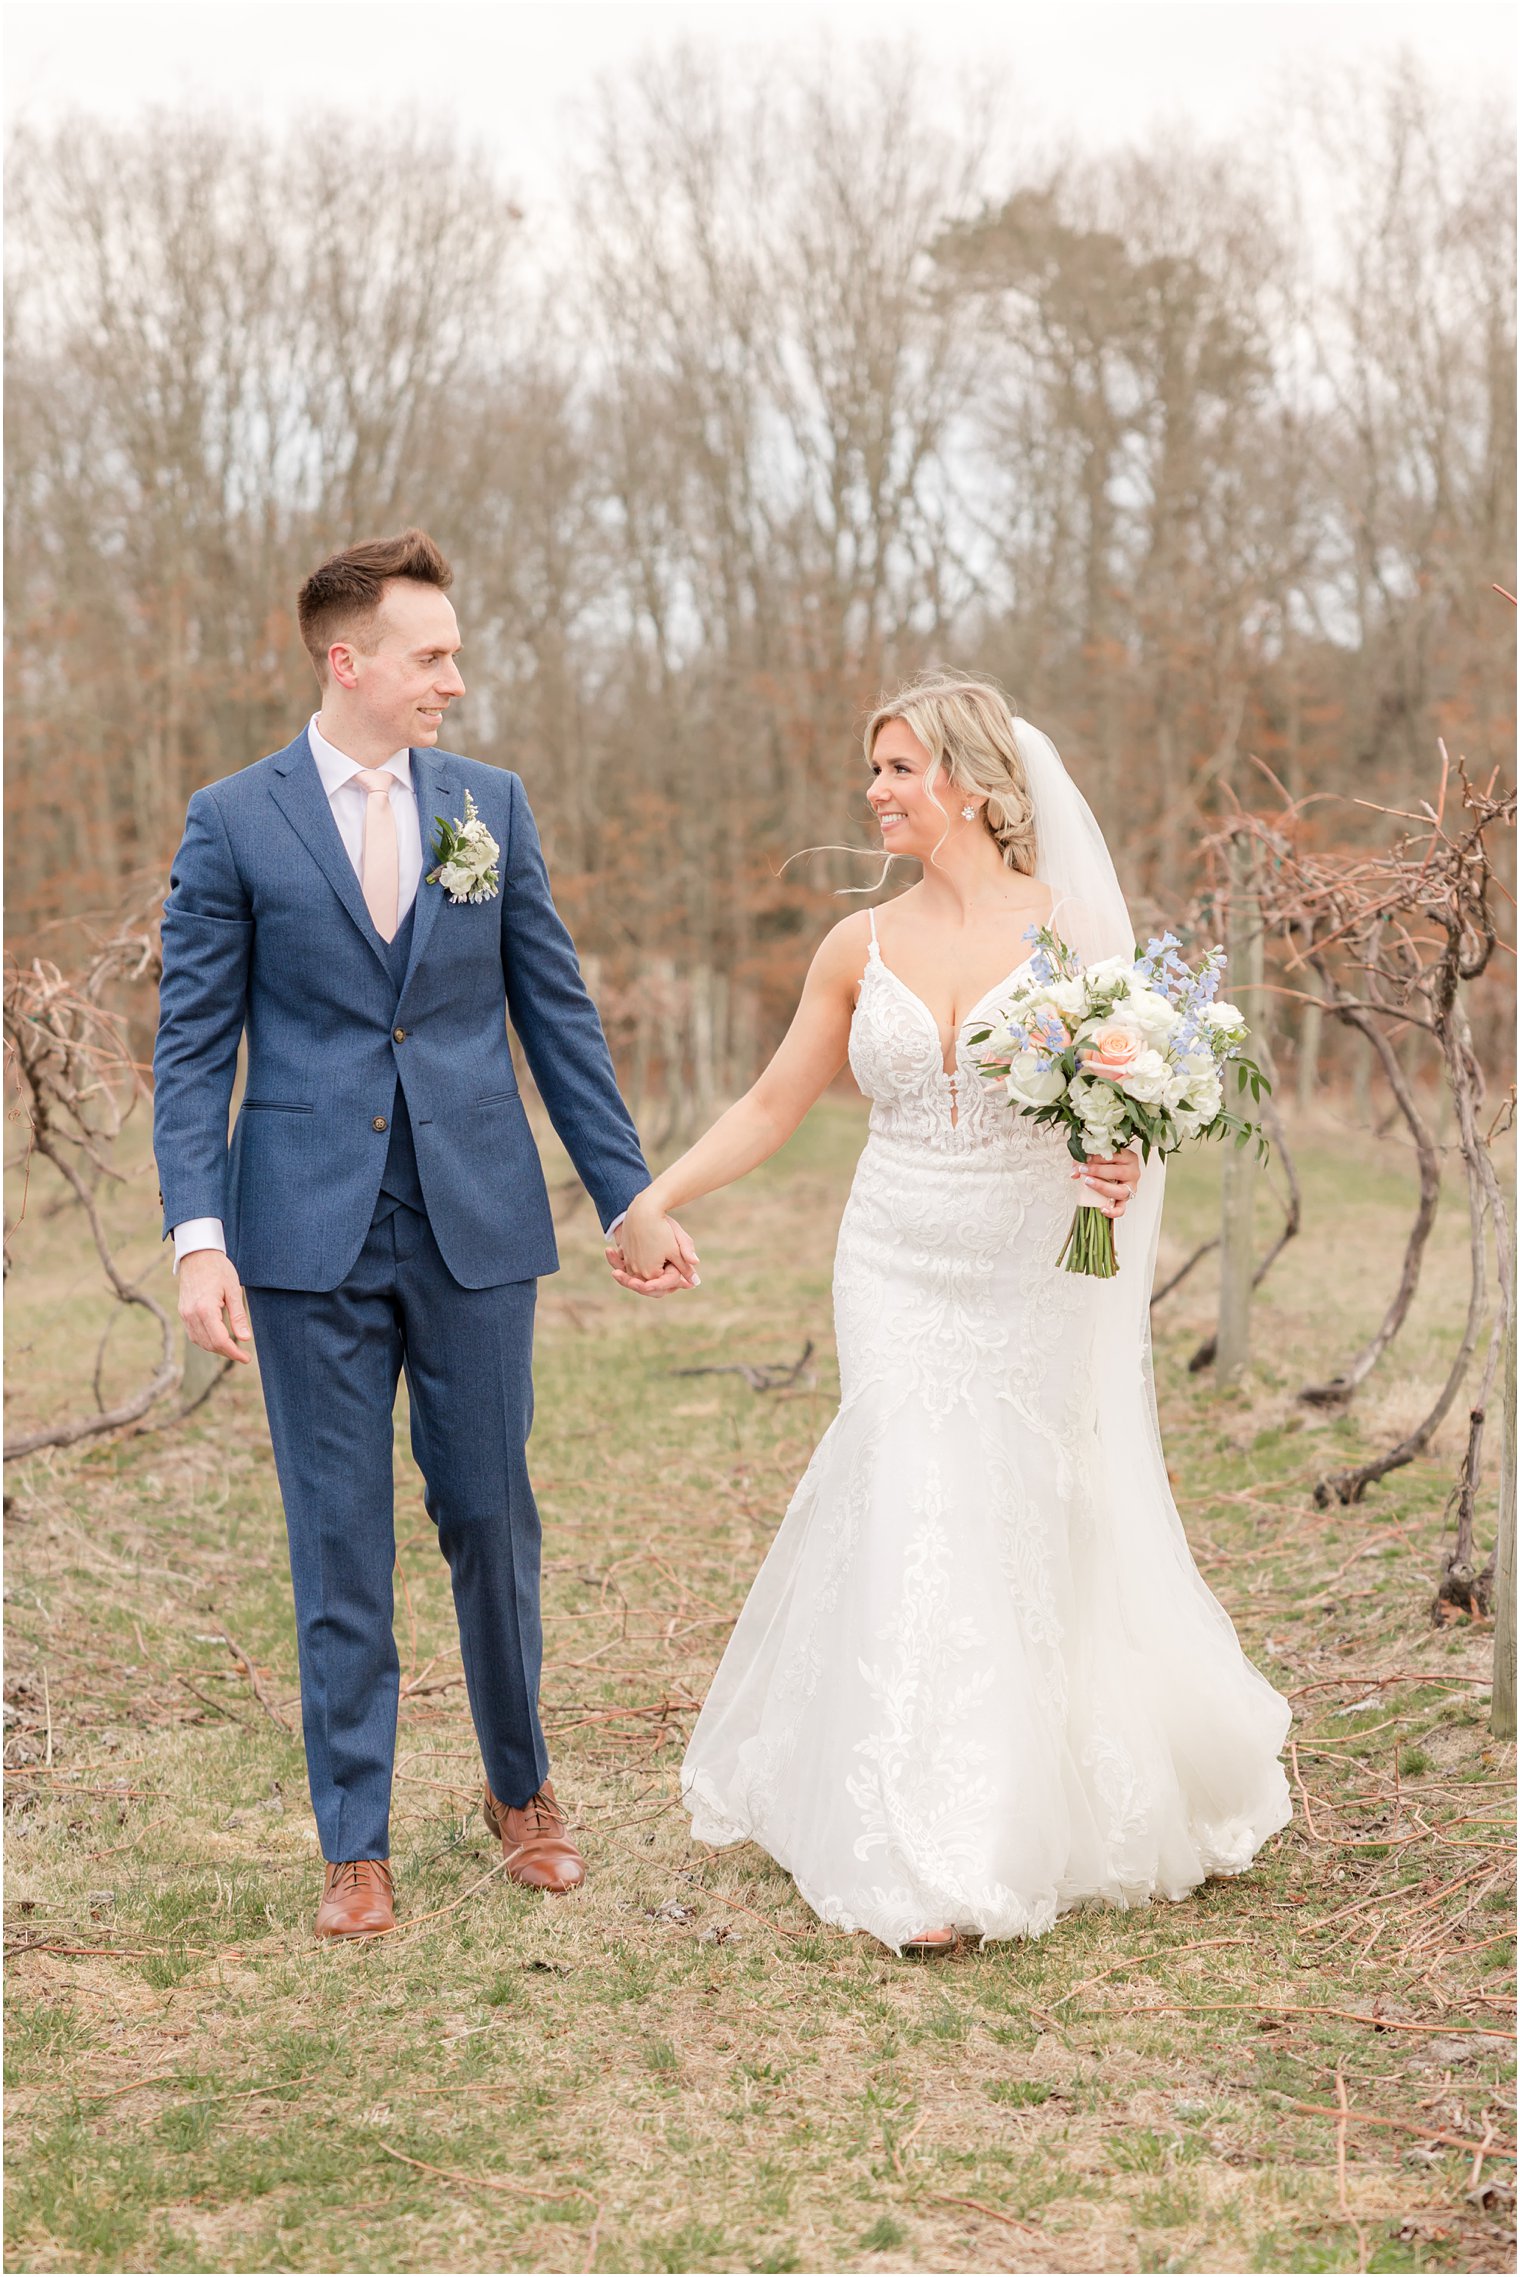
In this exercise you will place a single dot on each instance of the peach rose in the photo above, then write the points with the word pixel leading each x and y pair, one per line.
pixel 1111 1051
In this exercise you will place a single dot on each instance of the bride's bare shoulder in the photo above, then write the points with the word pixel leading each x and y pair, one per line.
pixel 842 955
pixel 848 944
pixel 844 948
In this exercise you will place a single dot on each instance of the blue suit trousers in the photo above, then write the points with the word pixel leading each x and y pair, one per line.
pixel 330 1361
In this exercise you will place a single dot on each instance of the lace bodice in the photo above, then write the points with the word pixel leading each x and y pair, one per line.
pixel 897 1059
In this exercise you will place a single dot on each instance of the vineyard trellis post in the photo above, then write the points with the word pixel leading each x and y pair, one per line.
pixel 1244 976
pixel 1503 1716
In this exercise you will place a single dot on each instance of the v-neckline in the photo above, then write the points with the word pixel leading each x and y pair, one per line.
pixel 913 997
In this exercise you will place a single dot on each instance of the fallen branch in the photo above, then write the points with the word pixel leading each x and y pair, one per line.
pixel 1340 2111
pixel 1143 1960
pixel 939 2198
pixel 487 2181
pixel 420 1920
pixel 1287 2008
pixel 234 2094
pixel 256 1684
pixel 1395 1676
pixel 773 1377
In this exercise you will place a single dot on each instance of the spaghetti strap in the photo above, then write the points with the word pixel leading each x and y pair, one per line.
pixel 875 944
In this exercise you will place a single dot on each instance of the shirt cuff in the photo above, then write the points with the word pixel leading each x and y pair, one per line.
pixel 198 1233
pixel 612 1229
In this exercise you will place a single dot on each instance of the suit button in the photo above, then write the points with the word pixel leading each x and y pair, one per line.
pixel 399 1034
pixel 379 1123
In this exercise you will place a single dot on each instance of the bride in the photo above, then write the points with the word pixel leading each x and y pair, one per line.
pixel 978 1679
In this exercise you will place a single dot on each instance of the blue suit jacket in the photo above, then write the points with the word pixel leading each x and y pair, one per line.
pixel 266 932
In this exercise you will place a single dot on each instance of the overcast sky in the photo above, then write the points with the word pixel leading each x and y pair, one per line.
pixel 511 70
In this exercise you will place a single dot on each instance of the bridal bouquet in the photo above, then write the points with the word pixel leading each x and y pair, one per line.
pixel 1131 1050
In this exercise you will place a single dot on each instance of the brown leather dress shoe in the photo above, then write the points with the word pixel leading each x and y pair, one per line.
pixel 358 1899
pixel 535 1842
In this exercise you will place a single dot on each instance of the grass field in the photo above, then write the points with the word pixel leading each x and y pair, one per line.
pixel 1306 2068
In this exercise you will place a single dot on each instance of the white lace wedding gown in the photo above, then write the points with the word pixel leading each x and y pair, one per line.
pixel 979 1678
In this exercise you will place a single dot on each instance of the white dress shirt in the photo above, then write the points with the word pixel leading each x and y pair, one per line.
pixel 348 801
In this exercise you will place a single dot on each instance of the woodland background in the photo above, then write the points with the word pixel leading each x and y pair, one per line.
pixel 812 375
pixel 1207 452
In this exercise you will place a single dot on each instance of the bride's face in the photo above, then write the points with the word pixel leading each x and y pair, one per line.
pixel 899 794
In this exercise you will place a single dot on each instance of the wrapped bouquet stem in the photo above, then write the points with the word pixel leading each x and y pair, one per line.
pixel 1089 1244
pixel 1129 1051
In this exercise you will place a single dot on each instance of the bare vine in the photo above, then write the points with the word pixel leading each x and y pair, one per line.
pixel 1396 937
pixel 76 1082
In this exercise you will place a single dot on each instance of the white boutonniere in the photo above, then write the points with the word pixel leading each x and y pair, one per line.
pixel 467 857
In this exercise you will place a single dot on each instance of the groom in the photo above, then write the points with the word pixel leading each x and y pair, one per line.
pixel 381 1200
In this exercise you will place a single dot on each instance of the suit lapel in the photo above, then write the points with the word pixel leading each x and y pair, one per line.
pixel 298 792
pixel 435 787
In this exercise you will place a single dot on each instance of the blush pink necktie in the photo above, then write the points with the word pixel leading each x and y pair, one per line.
pixel 380 862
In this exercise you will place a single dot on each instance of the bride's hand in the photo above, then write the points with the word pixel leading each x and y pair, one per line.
pixel 650 1253
pixel 1109 1180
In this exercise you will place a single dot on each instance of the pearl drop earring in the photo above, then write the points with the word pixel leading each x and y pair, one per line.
pixel 968 812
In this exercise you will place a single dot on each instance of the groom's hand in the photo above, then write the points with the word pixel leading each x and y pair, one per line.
pixel 211 1304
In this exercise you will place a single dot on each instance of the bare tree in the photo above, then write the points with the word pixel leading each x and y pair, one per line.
pixel 230 351
pixel 801 389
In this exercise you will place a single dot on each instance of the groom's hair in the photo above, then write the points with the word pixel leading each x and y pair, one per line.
pixel 339 600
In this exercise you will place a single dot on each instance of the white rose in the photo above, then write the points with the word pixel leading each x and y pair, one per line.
pixel 1227 1017
pixel 1029 1084
pixel 1147 1078
pixel 1068 997
pixel 1107 971
pixel 455 878
pixel 1202 1099
pixel 1149 1011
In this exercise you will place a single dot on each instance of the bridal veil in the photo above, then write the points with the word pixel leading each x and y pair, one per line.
pixel 1147 1544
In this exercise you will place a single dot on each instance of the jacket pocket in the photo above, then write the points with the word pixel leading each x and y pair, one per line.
pixel 277 1107
pixel 495 1098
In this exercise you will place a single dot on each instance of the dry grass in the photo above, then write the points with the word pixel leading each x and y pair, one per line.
pixel 680 2069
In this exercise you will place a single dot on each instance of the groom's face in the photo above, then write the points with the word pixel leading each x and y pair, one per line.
pixel 404 678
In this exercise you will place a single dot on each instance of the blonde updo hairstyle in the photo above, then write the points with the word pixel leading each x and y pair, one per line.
pixel 966 726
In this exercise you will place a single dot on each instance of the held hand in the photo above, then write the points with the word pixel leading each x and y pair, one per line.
pixel 208 1291
pixel 652 1255
pixel 1108 1180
